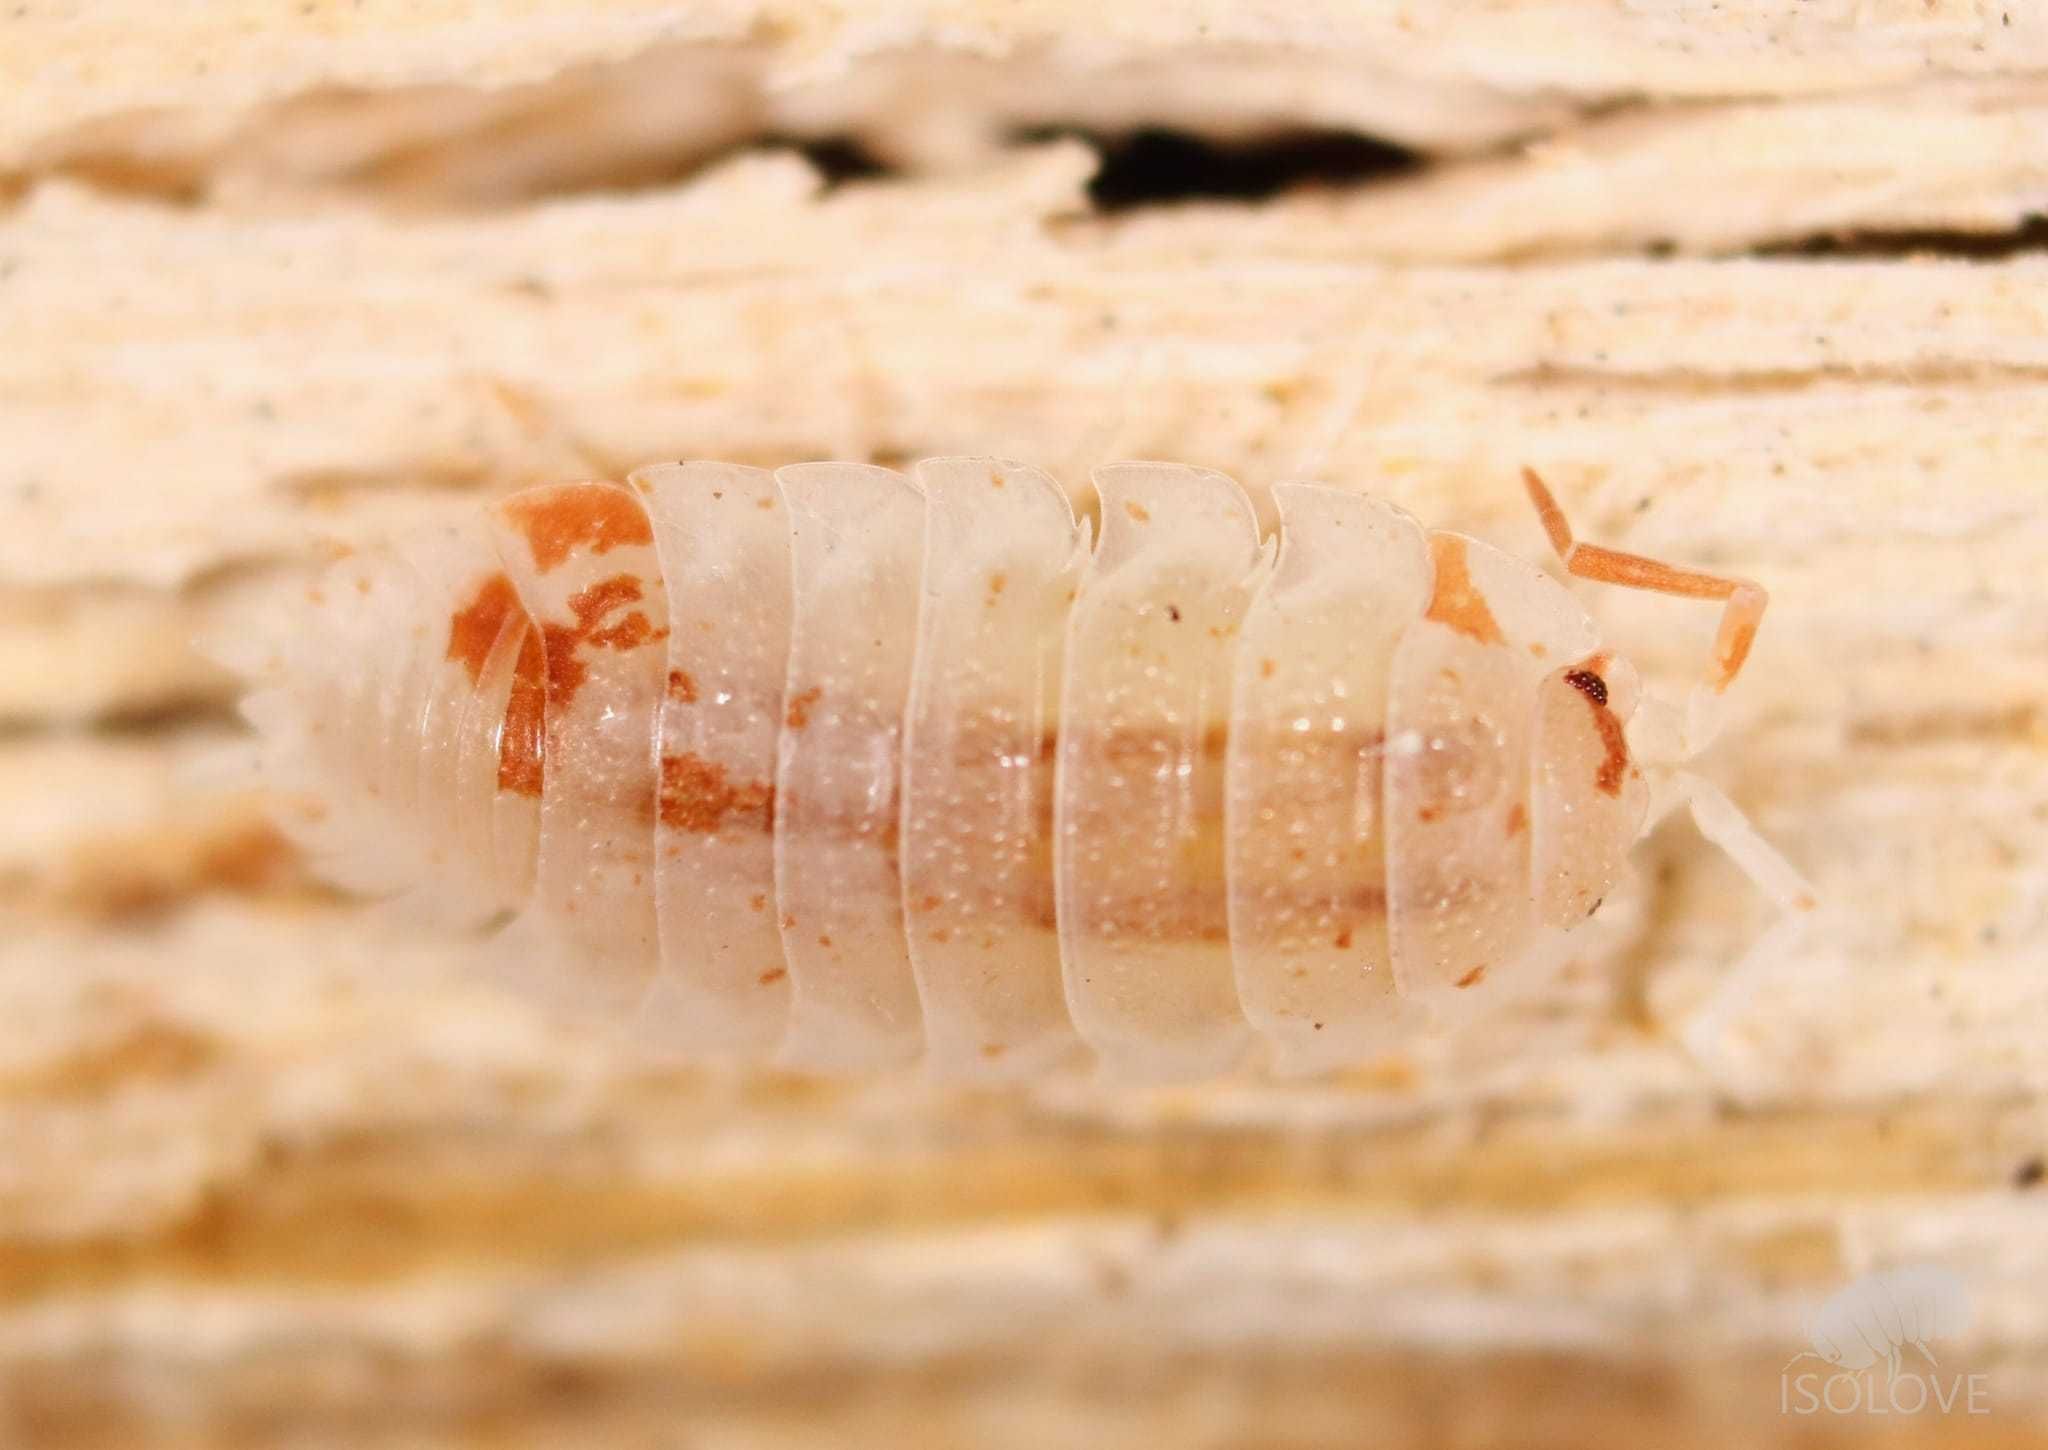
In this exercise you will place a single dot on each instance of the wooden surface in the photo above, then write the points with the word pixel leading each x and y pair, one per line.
pixel 272 1171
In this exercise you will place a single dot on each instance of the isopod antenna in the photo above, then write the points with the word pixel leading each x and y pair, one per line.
pixel 1717 817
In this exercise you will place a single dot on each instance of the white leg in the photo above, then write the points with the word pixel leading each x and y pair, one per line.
pixel 1722 823
pixel 1705 1033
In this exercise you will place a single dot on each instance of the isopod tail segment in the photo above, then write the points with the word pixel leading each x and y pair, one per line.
pixel 1704 1034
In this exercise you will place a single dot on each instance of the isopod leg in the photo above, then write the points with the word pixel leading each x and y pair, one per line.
pixel 1720 821
pixel 1745 601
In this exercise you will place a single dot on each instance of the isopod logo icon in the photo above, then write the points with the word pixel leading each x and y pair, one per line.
pixel 1872 1322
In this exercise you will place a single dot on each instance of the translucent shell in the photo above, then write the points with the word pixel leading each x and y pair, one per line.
pixel 501 738
pixel 1307 862
pixel 1588 800
pixel 857 549
pixel 1002 559
pixel 463 681
pixel 1143 718
pixel 833 768
pixel 329 727
pixel 1459 735
pixel 582 559
pixel 723 537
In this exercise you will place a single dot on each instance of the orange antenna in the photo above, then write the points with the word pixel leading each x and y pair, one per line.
pixel 1739 620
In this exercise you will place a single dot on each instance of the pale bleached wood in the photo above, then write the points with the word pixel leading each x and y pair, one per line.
pixel 658 113
pixel 156 436
pixel 67 64
pixel 1963 157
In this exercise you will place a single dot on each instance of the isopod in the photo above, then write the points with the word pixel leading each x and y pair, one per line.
pixel 1873 1319
pixel 833 765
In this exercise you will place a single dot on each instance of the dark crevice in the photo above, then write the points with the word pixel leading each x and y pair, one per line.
pixel 194 710
pixel 2031 235
pixel 1148 166
pixel 838 159
pixel 1152 166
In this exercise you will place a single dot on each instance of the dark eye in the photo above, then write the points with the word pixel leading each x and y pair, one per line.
pixel 1588 684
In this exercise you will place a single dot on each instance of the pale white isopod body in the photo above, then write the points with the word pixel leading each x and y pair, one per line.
pixel 1306 814
pixel 1003 556
pixel 723 538
pixel 832 767
pixel 1887 1310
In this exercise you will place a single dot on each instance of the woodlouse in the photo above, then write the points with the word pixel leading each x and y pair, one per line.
pixel 828 766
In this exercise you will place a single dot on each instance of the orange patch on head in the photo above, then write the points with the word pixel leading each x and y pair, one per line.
pixel 681 687
pixel 697 797
pixel 475 627
pixel 1457 602
pixel 594 516
pixel 1471 978
pixel 1518 820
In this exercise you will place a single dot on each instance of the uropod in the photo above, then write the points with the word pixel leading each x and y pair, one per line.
pixel 835 766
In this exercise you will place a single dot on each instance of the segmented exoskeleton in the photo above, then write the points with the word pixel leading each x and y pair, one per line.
pixel 834 766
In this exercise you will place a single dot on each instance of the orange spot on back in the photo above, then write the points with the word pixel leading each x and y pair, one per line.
pixel 593 604
pixel 522 738
pixel 594 516
pixel 475 627
pixel 1471 978
pixel 566 671
pixel 696 796
pixel 681 687
pixel 799 713
pixel 1457 601
pixel 1518 820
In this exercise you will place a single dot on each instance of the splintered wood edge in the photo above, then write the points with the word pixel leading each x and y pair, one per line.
pixel 1696 406
pixel 62 68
